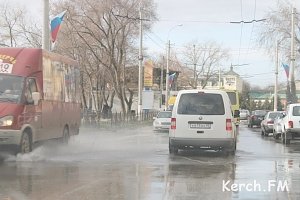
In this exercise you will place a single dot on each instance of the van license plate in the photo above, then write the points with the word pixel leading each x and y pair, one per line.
pixel 200 126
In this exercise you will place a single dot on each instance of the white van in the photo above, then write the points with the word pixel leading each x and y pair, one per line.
pixel 290 124
pixel 202 119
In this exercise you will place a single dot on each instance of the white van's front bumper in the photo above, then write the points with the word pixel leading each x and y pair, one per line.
pixel 224 143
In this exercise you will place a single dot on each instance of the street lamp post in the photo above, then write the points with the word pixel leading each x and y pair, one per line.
pixel 167 69
pixel 292 66
pixel 140 90
pixel 276 79
pixel 167 76
pixel 46 34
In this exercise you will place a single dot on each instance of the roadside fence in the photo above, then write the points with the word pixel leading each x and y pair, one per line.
pixel 117 119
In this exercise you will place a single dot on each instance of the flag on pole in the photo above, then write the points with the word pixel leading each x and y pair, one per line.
pixel 171 78
pixel 55 25
pixel 286 69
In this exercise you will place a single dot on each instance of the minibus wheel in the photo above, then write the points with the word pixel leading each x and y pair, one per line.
pixel 26 143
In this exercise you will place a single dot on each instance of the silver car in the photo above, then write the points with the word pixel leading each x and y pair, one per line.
pixel 244 114
pixel 162 121
pixel 267 125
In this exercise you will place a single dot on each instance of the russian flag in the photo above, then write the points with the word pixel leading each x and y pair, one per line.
pixel 286 69
pixel 171 78
pixel 55 25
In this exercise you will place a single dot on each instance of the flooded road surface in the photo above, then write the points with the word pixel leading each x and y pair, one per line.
pixel 135 164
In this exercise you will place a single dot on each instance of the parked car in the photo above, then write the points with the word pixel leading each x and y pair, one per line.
pixel 268 122
pixel 277 127
pixel 162 121
pixel 244 114
pixel 290 124
pixel 256 117
pixel 202 119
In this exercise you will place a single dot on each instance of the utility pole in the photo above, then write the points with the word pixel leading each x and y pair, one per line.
pixel 140 64
pixel 167 71
pixel 195 80
pixel 276 78
pixel 167 76
pixel 219 76
pixel 292 66
pixel 46 30
pixel 161 82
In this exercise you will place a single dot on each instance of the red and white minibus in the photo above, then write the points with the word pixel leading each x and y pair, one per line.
pixel 39 97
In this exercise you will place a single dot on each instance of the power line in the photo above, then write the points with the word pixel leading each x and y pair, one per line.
pixel 254 16
pixel 248 22
pixel 241 35
pixel 207 21
pixel 158 44
pixel 157 36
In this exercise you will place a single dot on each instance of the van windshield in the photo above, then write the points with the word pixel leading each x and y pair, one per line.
pixel 201 104
pixel 11 88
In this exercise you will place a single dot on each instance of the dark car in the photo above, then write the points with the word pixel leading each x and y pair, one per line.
pixel 256 117
pixel 268 122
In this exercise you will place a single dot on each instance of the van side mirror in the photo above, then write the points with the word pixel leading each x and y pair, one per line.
pixel 236 113
pixel 36 98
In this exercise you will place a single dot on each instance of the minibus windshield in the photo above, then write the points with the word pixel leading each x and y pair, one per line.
pixel 11 88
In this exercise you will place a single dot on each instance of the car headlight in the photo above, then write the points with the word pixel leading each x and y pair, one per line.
pixel 6 121
pixel 156 123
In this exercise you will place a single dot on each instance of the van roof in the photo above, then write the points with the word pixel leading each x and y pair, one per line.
pixel 202 90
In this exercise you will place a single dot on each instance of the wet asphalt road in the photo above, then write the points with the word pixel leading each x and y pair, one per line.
pixel 135 164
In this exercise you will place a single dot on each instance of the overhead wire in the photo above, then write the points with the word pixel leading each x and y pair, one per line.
pixel 254 17
pixel 241 35
pixel 155 42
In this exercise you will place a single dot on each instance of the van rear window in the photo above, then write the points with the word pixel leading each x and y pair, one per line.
pixel 296 111
pixel 201 104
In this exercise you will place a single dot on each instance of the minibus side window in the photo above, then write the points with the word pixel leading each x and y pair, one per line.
pixel 30 88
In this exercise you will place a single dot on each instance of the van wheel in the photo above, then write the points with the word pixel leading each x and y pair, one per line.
pixel 26 143
pixel 287 141
pixel 172 149
pixel 232 151
pixel 275 135
pixel 66 136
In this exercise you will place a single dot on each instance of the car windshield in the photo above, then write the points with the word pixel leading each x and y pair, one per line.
pixel 10 88
pixel 274 115
pixel 201 104
pixel 260 112
pixel 164 115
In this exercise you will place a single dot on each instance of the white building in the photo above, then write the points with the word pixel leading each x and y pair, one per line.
pixel 232 81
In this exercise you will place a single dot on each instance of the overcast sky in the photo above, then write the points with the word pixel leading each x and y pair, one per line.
pixel 208 21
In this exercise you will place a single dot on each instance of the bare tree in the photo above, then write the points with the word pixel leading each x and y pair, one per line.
pixel 16 29
pixel 204 59
pixel 107 32
pixel 10 18
pixel 277 28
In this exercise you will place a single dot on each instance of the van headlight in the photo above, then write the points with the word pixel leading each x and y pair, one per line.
pixel 6 121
